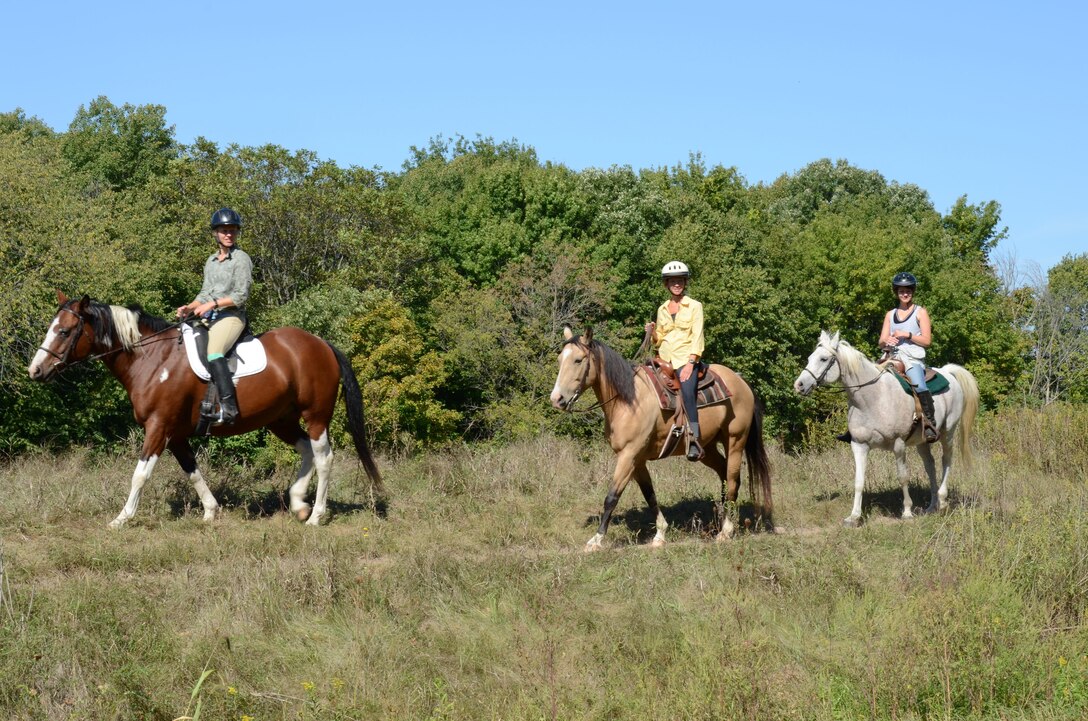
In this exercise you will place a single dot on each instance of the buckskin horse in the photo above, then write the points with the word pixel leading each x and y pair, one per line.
pixel 881 415
pixel 637 428
pixel 303 378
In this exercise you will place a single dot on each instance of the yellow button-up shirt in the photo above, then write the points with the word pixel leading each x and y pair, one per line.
pixel 683 336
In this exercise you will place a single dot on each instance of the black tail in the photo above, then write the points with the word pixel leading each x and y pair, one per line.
pixel 353 401
pixel 759 466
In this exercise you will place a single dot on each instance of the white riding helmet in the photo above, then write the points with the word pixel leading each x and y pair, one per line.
pixel 674 268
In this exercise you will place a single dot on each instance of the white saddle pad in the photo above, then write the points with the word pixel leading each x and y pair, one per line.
pixel 251 356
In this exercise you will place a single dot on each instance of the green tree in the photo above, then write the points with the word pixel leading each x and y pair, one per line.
pixel 119 147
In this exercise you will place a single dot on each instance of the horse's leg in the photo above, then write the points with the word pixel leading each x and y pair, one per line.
pixel 322 455
pixel 936 497
pixel 290 433
pixel 730 480
pixel 625 468
pixel 948 454
pixel 900 450
pixel 187 460
pixel 642 477
pixel 861 458
pixel 154 443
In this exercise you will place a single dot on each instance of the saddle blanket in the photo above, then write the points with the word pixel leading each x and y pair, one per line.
pixel 712 390
pixel 250 355
pixel 936 383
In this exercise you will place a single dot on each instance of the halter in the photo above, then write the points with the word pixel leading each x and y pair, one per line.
pixel 569 405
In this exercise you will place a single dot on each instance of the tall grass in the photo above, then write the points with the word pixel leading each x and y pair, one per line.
pixel 472 599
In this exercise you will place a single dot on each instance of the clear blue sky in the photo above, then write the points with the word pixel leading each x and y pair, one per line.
pixel 983 99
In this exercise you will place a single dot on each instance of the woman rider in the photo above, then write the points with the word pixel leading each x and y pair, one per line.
pixel 678 336
pixel 906 334
pixel 228 274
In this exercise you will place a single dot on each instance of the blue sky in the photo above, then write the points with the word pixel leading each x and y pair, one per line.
pixel 987 100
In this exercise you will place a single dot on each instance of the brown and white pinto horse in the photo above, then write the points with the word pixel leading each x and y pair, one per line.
pixel 302 380
pixel 636 427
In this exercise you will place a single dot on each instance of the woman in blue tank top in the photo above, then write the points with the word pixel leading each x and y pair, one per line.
pixel 906 334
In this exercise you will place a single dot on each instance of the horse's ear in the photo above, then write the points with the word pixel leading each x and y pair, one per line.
pixel 588 335
pixel 61 297
pixel 567 333
pixel 835 340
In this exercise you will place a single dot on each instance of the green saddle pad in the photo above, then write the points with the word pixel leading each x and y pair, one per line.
pixel 937 385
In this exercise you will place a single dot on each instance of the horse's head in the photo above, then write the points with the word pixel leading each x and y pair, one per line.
pixel 823 365
pixel 69 339
pixel 576 369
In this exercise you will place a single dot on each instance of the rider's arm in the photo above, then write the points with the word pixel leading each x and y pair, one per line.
pixel 926 336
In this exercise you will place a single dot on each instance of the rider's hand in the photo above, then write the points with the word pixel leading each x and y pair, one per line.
pixel 686 372
pixel 650 327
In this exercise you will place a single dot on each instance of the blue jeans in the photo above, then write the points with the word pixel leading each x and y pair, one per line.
pixel 689 389
pixel 917 377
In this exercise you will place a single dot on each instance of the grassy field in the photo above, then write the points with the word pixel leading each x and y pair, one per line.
pixel 471 597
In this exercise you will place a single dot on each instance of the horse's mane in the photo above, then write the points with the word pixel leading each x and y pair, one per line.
pixel 618 371
pixel 115 323
pixel 851 359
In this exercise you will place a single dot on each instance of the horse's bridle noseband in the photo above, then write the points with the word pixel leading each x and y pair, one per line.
pixel 62 360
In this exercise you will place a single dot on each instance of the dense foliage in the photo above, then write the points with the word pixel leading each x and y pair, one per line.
pixel 448 283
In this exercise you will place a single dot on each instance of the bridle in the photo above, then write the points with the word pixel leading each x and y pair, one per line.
pixel 569 405
pixel 834 360
pixel 823 374
pixel 62 360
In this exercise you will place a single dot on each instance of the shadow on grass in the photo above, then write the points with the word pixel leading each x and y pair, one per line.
pixel 269 502
pixel 694 517
pixel 887 502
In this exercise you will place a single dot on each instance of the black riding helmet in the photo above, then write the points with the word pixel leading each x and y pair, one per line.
pixel 226 216
pixel 904 280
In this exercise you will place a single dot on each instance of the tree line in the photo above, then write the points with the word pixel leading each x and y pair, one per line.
pixel 448 282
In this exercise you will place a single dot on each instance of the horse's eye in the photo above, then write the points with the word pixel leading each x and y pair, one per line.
pixel 64 332
pixel 578 360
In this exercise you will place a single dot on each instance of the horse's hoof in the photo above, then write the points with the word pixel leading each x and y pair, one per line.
pixel 852 522
pixel 116 524
pixel 724 536
pixel 211 514
pixel 303 513
pixel 657 543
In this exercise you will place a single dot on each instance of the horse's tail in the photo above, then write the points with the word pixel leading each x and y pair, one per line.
pixel 966 428
pixel 759 467
pixel 353 401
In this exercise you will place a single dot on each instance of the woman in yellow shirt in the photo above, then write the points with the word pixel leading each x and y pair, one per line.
pixel 678 336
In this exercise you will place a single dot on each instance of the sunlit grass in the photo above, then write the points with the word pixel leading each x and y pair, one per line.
pixel 472 598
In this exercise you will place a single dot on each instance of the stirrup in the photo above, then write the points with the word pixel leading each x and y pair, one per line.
pixel 695 451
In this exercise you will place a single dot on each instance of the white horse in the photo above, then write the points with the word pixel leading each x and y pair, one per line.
pixel 881 416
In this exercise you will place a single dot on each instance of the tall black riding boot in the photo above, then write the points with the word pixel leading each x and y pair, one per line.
pixel 220 371
pixel 929 426
pixel 695 450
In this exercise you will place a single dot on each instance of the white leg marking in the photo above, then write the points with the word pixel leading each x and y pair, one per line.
pixel 904 480
pixel 323 460
pixel 299 506
pixel 139 478
pixel 662 526
pixel 211 506
pixel 594 544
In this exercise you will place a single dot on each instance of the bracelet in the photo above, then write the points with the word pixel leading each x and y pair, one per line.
pixel 216 303
pixel 910 334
